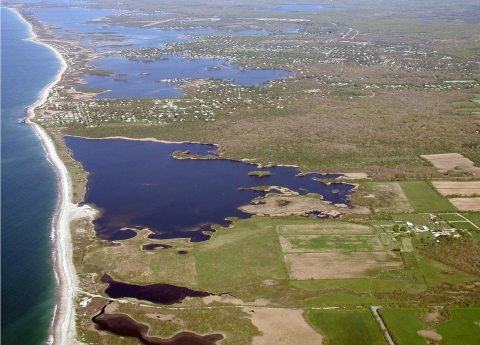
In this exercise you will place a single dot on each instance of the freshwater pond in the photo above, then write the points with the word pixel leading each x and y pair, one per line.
pixel 137 184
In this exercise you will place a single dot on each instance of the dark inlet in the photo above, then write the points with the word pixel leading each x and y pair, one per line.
pixel 156 293
pixel 125 326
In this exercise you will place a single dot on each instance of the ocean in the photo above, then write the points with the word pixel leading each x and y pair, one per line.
pixel 28 189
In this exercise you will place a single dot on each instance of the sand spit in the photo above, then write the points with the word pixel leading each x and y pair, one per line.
pixel 63 326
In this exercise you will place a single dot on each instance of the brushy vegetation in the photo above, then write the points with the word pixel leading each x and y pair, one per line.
pixel 462 253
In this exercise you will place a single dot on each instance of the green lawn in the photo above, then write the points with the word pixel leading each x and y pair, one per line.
pixel 473 217
pixel 424 199
pixel 404 324
pixel 462 329
pixel 451 217
pixel 464 225
pixel 346 327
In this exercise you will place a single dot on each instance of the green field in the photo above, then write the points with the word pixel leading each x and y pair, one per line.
pixel 360 285
pixel 464 225
pixel 463 329
pixel 473 217
pixel 353 243
pixel 424 199
pixel 334 299
pixel 236 256
pixel 419 269
pixel 403 325
pixel 451 217
pixel 346 327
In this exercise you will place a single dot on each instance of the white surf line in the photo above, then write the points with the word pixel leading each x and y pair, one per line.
pixel 63 324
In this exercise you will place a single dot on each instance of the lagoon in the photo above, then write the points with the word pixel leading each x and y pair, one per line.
pixel 137 184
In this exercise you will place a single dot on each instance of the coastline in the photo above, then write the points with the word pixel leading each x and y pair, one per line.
pixel 63 323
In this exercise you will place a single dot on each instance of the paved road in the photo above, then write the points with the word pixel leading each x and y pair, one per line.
pixel 382 325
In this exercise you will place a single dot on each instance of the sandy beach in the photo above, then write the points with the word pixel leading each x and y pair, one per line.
pixel 63 325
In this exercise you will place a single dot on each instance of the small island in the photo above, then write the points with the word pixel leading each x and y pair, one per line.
pixel 260 173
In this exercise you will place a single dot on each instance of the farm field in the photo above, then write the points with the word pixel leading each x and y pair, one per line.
pixel 466 204
pixel 467 188
pixel 346 327
pixel 336 265
pixel 462 329
pixel 397 201
pixel 324 243
pixel 403 325
pixel 334 250
pixel 424 199
pixel 452 161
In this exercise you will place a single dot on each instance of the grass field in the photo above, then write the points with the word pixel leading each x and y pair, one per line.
pixel 424 199
pixel 404 324
pixel 473 217
pixel 333 299
pixel 407 244
pixel 464 225
pixel 463 329
pixel 431 272
pixel 360 285
pixel 346 327
pixel 451 217
pixel 320 243
pixel 246 253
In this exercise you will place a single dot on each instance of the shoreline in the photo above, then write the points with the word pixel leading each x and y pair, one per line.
pixel 63 327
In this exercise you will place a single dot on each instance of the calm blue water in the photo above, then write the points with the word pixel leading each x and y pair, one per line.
pixel 105 38
pixel 102 37
pixel 29 191
pixel 295 8
pixel 144 86
pixel 138 184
